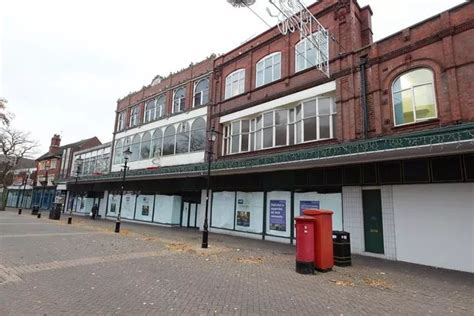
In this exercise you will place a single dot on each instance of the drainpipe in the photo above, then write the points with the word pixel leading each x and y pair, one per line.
pixel 363 95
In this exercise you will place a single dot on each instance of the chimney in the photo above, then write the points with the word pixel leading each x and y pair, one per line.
pixel 55 142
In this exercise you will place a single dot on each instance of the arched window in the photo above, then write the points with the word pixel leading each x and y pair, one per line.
pixel 201 92
pixel 235 83
pixel 268 69
pixel 134 117
pixel 135 148
pixel 160 106
pixel 118 151
pixel 145 146
pixel 168 141
pixel 306 53
pixel 150 111
pixel 182 138
pixel 198 135
pixel 178 100
pixel 414 97
pixel 156 142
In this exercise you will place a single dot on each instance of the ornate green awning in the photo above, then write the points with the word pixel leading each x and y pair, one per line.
pixel 457 134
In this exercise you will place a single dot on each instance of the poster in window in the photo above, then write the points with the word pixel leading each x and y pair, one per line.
pixel 243 218
pixel 113 207
pixel 308 205
pixel 278 215
pixel 145 207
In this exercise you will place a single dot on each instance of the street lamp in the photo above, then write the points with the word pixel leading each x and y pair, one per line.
pixel 44 183
pixel 126 154
pixel 78 172
pixel 25 181
pixel 211 139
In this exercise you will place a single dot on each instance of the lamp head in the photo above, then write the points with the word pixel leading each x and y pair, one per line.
pixel 127 153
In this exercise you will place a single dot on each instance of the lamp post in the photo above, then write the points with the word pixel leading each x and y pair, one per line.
pixel 25 181
pixel 211 140
pixel 126 155
pixel 45 183
pixel 78 172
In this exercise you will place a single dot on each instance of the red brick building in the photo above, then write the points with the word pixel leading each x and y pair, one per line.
pixel 386 141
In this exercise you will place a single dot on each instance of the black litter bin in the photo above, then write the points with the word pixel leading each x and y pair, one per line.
pixel 34 210
pixel 342 248
pixel 55 211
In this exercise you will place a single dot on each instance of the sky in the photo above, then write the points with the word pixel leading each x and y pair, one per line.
pixel 64 64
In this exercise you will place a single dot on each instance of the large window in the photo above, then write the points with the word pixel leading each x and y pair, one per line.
pixel 310 120
pixel 235 83
pixel 201 92
pixel 182 138
pixel 118 151
pixel 168 141
pixel 179 98
pixel 150 111
pixel 414 97
pixel 156 142
pixel 135 148
pixel 306 53
pixel 198 135
pixel 121 121
pixel 145 146
pixel 269 69
pixel 134 116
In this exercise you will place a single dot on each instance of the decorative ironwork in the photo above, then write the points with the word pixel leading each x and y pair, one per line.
pixel 241 3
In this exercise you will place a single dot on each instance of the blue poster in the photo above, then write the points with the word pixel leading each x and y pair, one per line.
pixel 278 215
pixel 308 205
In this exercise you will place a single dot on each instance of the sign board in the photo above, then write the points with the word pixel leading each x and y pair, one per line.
pixel 278 215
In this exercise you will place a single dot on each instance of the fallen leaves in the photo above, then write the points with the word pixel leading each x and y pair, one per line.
pixel 378 283
pixel 250 260
pixel 343 282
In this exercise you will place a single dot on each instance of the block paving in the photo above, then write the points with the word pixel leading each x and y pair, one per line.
pixel 51 268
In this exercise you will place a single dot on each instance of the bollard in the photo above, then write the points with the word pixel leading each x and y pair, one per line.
pixel 19 211
pixel 117 227
pixel 69 220
pixel 39 214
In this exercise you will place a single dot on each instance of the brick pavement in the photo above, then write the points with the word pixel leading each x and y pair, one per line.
pixel 85 269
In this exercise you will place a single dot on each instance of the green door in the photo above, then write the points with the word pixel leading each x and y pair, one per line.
pixel 373 229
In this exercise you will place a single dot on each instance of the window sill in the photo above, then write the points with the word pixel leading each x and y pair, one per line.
pixel 416 125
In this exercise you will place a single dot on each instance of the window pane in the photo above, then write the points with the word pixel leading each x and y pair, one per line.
pixel 168 141
pixel 298 132
pixel 280 135
pixel 268 74
pixel 197 99
pixel 259 78
pixel 324 131
pixel 268 119
pixel 403 107
pixel 268 137
pixel 182 142
pixel 277 71
pixel 236 128
pixel 259 122
pixel 145 147
pixel 413 78
pixel 291 131
pixel 258 140
pixel 310 129
pixel 245 142
pixel 324 106
pixel 198 135
pixel 235 144
pixel 424 102
pixel 245 126
pixel 309 108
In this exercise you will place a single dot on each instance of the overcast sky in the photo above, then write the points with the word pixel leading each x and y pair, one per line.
pixel 64 64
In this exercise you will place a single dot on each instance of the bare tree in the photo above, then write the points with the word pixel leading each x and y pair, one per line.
pixel 14 145
pixel 4 116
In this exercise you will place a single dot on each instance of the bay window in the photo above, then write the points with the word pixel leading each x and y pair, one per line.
pixel 311 120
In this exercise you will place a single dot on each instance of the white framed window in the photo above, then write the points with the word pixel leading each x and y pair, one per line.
pixel 160 106
pixel 182 138
pixel 133 116
pixel 306 53
pixel 179 99
pixel 121 121
pixel 413 97
pixel 268 69
pixel 310 120
pixel 235 83
pixel 201 92
pixel 150 111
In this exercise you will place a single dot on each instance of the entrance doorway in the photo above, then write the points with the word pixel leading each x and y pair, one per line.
pixel 373 228
pixel 189 215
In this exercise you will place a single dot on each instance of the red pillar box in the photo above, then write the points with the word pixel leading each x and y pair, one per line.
pixel 323 248
pixel 305 244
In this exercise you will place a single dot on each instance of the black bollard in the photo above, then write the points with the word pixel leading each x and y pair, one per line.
pixel 39 214
pixel 117 227
pixel 69 220
pixel 19 211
